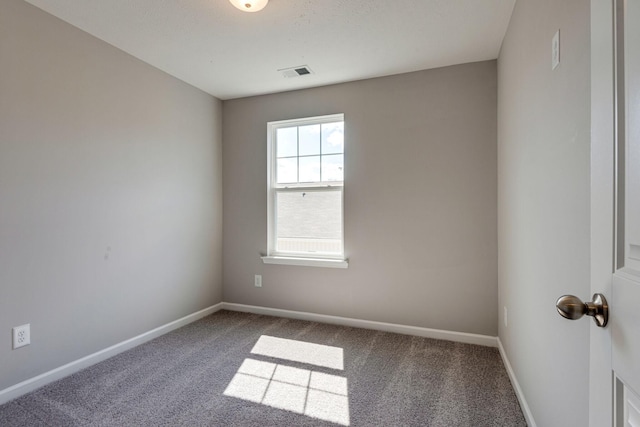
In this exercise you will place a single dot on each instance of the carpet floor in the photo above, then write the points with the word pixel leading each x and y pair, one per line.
pixel 238 369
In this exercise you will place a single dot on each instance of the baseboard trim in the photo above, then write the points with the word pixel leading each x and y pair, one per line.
pixel 41 380
pixel 516 386
pixel 484 340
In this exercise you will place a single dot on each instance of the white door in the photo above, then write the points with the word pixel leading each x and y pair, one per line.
pixel 615 199
pixel 625 303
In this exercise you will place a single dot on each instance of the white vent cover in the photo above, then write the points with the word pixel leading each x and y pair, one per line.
pixel 300 71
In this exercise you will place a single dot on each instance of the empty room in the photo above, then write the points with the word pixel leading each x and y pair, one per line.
pixel 319 213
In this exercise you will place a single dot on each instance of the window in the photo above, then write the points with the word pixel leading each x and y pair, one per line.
pixel 305 200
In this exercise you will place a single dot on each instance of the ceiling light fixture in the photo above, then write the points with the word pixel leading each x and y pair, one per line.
pixel 249 5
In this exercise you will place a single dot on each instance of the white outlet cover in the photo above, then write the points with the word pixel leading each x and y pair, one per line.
pixel 21 336
pixel 555 50
pixel 258 281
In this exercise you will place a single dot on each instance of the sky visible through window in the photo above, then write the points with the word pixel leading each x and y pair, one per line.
pixel 310 153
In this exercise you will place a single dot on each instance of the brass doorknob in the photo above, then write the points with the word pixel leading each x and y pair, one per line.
pixel 571 307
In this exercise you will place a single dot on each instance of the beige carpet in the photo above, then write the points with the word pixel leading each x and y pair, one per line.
pixel 236 369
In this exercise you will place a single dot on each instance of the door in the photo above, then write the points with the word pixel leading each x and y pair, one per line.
pixel 625 303
pixel 614 374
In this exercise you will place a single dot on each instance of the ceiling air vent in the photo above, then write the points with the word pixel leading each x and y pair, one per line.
pixel 300 71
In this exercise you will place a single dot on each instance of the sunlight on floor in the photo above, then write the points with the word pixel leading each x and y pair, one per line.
pixel 302 391
pixel 300 351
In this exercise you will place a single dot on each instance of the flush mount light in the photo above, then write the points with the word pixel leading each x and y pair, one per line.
pixel 249 5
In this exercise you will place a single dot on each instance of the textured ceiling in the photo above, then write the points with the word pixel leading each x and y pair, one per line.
pixel 229 54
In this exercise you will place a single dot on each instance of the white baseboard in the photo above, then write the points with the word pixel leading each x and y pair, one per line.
pixel 41 380
pixel 516 386
pixel 484 340
pixel 55 374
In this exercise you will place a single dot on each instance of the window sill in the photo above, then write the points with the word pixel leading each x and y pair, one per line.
pixel 306 262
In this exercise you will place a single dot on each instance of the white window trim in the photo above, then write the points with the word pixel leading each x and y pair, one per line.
pixel 306 262
pixel 297 259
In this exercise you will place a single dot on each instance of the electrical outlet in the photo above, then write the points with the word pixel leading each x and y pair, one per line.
pixel 505 316
pixel 21 336
pixel 257 281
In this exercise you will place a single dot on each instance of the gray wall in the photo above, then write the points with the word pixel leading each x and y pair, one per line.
pixel 420 201
pixel 544 204
pixel 110 194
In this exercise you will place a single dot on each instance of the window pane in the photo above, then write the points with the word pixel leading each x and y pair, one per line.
pixel 310 169
pixel 287 139
pixel 309 140
pixel 333 138
pixel 309 222
pixel 287 171
pixel 333 167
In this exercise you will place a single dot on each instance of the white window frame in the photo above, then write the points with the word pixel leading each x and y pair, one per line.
pixel 296 258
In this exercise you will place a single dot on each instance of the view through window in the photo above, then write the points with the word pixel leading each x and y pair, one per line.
pixel 306 182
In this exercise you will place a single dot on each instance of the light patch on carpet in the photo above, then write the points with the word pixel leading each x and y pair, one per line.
pixel 286 396
pixel 257 368
pixel 291 375
pixel 328 407
pixel 330 383
pixel 300 351
pixel 247 387
pixel 302 391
